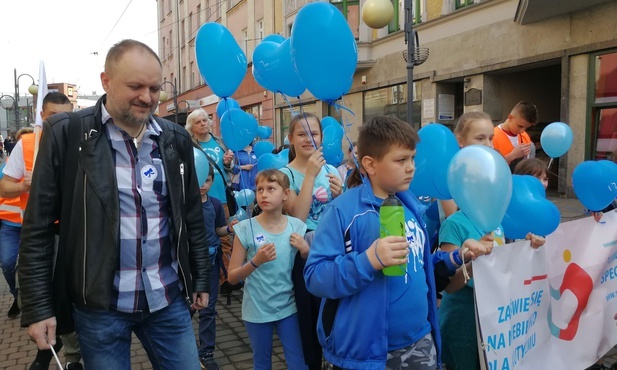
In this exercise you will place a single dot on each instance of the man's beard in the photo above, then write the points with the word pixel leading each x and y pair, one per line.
pixel 132 119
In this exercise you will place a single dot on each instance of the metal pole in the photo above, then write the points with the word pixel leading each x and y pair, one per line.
pixel 16 100
pixel 175 100
pixel 409 40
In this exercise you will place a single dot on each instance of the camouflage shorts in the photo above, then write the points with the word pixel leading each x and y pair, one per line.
pixel 421 355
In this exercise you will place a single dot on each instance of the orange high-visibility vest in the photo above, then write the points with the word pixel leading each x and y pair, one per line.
pixel 10 210
pixel 502 143
pixel 27 145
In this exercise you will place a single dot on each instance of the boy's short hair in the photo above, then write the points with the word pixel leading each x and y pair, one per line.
pixel 273 176
pixel 528 111
pixel 377 137
pixel 211 171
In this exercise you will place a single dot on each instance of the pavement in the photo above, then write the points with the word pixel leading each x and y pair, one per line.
pixel 232 344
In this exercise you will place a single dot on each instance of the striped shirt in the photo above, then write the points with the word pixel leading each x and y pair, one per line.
pixel 146 278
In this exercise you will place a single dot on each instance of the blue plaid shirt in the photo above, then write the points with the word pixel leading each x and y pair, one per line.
pixel 146 277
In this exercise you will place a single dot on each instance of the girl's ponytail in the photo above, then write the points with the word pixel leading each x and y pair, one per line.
pixel 354 179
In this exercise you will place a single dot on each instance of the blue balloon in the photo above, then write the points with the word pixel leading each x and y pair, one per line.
pixel 434 152
pixel 264 132
pixel 275 37
pixel 241 214
pixel 332 145
pixel 244 197
pixel 480 182
pixel 202 166
pixel 224 105
pixel 264 64
pixel 238 129
pixel 274 70
pixel 556 139
pixel 595 184
pixel 529 211
pixel 287 79
pixel 328 121
pixel 271 161
pixel 324 50
pixel 262 147
pixel 220 59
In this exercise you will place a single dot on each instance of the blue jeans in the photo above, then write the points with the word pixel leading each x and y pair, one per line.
pixel 167 336
pixel 207 316
pixel 9 248
pixel 288 330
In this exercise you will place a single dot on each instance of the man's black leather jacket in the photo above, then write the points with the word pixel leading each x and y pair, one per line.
pixel 88 249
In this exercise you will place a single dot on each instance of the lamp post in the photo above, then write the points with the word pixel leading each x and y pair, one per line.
pixel 33 89
pixel 7 107
pixel 414 56
pixel 163 96
pixel 29 105
pixel 188 105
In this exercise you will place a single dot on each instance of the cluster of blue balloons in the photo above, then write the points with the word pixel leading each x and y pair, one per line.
pixel 321 55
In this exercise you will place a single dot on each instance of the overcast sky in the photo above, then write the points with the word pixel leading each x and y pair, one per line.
pixel 64 34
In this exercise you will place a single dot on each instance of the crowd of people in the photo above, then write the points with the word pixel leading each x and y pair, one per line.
pixel 116 236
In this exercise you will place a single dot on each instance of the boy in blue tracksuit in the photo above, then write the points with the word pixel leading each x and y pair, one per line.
pixel 368 320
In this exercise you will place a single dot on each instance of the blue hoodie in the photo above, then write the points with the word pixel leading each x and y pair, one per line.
pixel 353 324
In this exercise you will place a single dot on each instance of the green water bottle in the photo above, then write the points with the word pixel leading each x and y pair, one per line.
pixel 392 220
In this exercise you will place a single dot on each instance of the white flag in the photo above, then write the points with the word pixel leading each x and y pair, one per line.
pixel 41 94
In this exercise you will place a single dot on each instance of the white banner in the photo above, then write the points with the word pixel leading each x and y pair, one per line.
pixel 551 308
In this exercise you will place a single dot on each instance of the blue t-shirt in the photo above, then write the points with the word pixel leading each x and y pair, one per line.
pixel 216 153
pixel 214 217
pixel 408 313
pixel 246 178
pixel 321 191
pixel 268 291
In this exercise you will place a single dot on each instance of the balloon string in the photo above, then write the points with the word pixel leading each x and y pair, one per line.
pixel 346 125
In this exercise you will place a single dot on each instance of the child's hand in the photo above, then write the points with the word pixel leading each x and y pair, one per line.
pixel 388 251
pixel 265 253
pixel 232 224
pixel 315 162
pixel 476 248
pixel 597 216
pixel 522 150
pixel 536 240
pixel 297 241
pixel 336 185
pixel 228 157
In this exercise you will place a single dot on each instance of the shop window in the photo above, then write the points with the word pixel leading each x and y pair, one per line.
pixel 604 106
pixel 285 115
pixel 392 101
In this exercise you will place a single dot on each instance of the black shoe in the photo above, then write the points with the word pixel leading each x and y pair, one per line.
pixel 73 366
pixel 208 363
pixel 43 357
pixel 14 311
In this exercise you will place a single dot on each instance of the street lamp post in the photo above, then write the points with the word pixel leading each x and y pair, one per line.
pixel 414 56
pixel 163 96
pixel 33 89
pixel 7 107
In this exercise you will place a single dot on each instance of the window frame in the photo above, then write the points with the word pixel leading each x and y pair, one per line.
pixel 594 107
pixel 459 4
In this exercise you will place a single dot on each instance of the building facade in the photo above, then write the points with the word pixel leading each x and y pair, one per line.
pixel 483 55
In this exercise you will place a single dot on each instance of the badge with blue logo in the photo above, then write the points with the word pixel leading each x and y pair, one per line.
pixel 149 172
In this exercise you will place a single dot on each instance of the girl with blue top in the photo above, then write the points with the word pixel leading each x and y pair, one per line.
pixel 269 242
pixel 368 320
pixel 314 184
pixel 457 319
